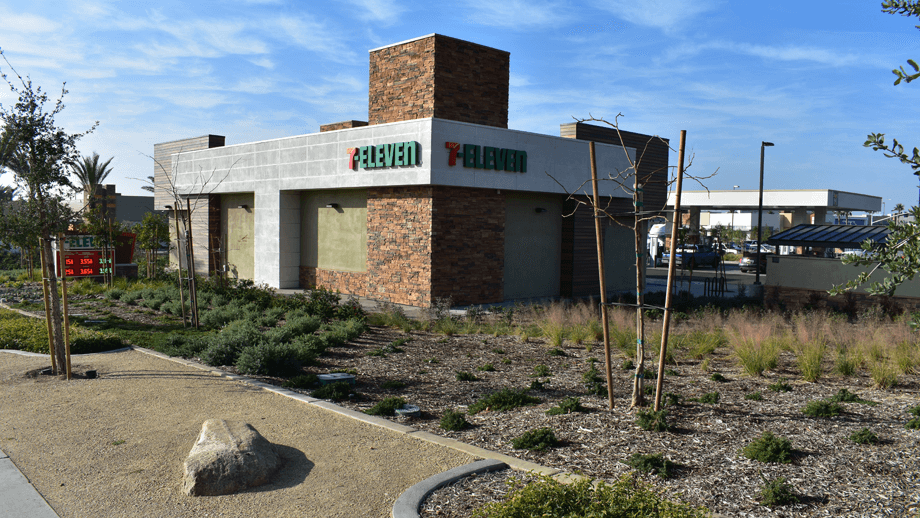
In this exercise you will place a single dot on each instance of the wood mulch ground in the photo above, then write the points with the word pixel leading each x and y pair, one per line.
pixel 831 475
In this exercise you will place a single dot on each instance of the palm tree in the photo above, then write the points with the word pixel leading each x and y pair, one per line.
pixel 899 208
pixel 91 174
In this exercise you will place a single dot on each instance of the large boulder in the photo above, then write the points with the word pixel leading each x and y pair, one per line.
pixel 229 456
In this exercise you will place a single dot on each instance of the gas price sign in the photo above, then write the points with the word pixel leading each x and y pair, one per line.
pixel 85 263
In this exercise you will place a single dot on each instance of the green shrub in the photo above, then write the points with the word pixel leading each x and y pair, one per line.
pixel 220 353
pixel 219 317
pixel 296 327
pixel 129 297
pixel 466 376
pixel 453 421
pixel 822 408
pixel 769 448
pixel 845 396
pixel 654 463
pixel 754 396
pixel 556 352
pixel 709 398
pixel 322 303
pixel 864 436
pixel 94 342
pixel 535 440
pixel 183 345
pixel 777 492
pixel 628 365
pixel 915 411
pixel 338 391
pixel 913 424
pixel 268 359
pixel 486 368
pixel 780 386
pixel 308 348
pixel 503 400
pixel 547 497
pixel 718 378
pixel 114 294
pixel 271 316
pixel 302 381
pixel 387 406
pixel 537 385
pixel 541 371
pixel 567 406
pixel 671 399
pixel 392 385
pixel 652 421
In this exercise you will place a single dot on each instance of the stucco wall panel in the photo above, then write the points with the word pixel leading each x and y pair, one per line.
pixel 334 238
pixel 533 245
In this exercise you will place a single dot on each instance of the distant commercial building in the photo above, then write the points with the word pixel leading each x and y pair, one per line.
pixel 431 197
pixel 127 210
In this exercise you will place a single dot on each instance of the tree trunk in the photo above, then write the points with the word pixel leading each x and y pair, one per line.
pixel 57 329
pixel 638 395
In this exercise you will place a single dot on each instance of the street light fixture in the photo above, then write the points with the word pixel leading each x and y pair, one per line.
pixel 760 212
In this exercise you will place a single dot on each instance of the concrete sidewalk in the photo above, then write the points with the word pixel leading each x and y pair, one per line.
pixel 17 496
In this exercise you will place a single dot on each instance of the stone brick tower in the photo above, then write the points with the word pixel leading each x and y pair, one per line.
pixel 439 76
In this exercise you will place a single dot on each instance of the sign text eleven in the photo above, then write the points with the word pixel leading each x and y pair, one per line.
pixel 486 157
pixel 383 155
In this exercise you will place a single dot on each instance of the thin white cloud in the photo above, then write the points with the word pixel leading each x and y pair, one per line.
pixel 386 11
pixel 772 52
pixel 27 23
pixel 667 15
pixel 263 62
pixel 516 14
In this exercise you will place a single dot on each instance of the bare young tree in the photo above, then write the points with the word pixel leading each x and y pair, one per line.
pixel 633 182
pixel 186 201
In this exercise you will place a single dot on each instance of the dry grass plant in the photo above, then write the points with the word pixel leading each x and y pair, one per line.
pixel 753 342
pixel 884 373
pixel 810 334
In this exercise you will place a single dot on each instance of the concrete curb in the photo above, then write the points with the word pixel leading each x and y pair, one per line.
pixel 408 504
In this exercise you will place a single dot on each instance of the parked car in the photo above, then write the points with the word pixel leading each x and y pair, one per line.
pixel 748 262
pixel 695 256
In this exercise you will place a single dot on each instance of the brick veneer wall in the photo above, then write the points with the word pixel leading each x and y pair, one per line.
pixel 468 245
pixel 439 76
pixel 342 125
pixel 351 283
pixel 399 239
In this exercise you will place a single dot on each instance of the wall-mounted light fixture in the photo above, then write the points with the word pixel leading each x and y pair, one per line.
pixel 539 210
pixel 332 205
pixel 168 207
pixel 244 206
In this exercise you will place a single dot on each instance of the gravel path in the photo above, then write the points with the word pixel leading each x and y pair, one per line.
pixel 114 446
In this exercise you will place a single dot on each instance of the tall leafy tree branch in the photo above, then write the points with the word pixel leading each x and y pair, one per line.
pixel 38 153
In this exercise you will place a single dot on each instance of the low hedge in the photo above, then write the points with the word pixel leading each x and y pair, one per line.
pixel 29 334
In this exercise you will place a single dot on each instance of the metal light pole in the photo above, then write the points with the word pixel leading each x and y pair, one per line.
pixel 760 212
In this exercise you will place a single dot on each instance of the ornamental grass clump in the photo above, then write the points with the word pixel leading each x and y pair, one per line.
pixel 585 497
pixel 780 386
pixel 453 421
pixel 845 396
pixel 709 398
pixel 535 440
pixel 503 400
pixel 769 448
pixel 654 463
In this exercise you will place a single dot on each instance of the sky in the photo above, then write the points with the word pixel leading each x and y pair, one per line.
pixel 812 77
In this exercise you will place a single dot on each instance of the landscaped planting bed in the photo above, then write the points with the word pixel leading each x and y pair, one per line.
pixel 809 413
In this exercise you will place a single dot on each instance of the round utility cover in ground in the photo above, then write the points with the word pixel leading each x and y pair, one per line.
pixel 409 411
pixel 326 379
